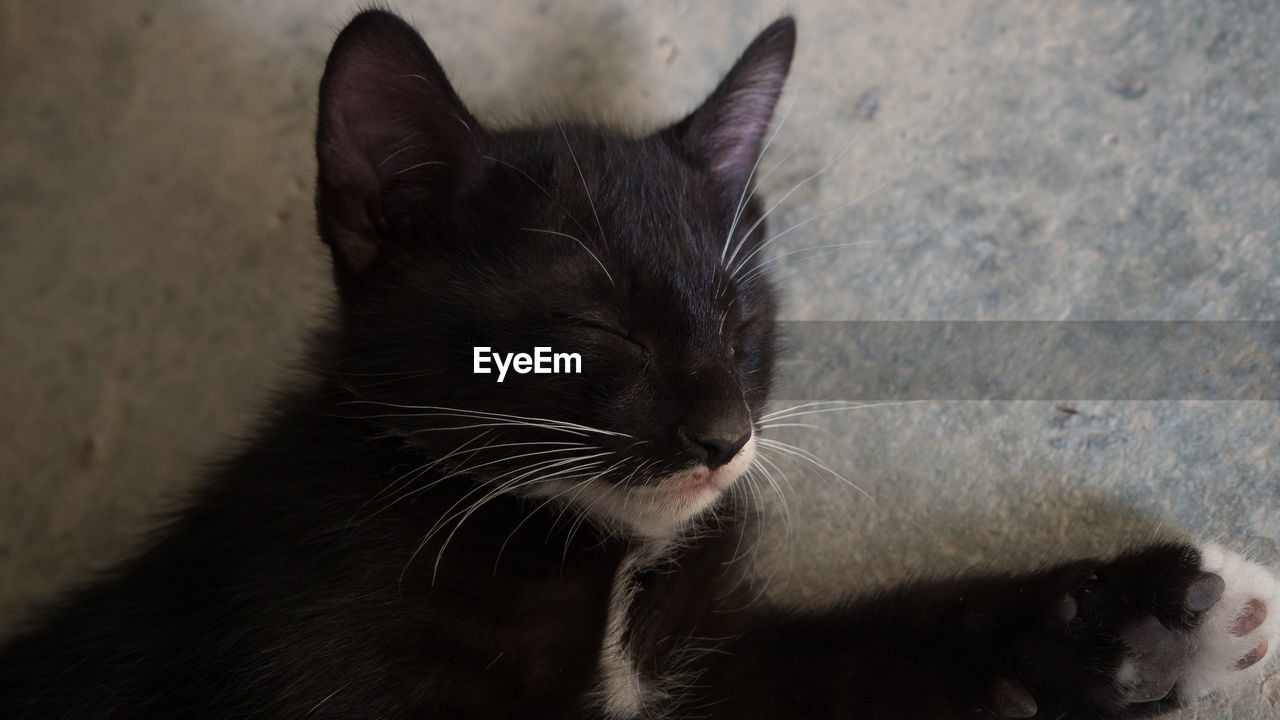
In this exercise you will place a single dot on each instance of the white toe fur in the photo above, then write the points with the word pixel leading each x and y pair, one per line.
pixel 1216 651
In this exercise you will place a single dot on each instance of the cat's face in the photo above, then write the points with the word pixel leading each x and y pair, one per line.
pixel 627 259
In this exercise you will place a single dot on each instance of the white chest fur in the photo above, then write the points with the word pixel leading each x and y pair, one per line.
pixel 622 692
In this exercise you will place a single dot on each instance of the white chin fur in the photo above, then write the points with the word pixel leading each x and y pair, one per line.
pixel 659 510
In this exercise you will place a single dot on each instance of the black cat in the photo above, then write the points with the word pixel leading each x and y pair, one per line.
pixel 408 537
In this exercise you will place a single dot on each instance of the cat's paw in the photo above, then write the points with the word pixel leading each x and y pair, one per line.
pixel 1189 625
pixel 1148 632
pixel 1239 635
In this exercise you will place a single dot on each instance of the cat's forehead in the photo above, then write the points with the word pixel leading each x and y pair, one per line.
pixel 636 180
pixel 634 200
pixel 649 193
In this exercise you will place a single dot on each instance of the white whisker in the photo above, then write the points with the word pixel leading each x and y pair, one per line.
pixel 742 199
pixel 577 240
pixel 789 193
pixel 787 156
pixel 587 190
pixel 802 454
pixel 508 487
pixel 525 421
pixel 825 406
pixel 501 488
pixel 817 250
pixel 563 210
pixel 415 166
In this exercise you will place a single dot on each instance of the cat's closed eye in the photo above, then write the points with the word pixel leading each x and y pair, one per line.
pixel 611 332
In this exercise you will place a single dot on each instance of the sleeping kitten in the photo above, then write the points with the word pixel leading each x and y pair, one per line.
pixel 408 537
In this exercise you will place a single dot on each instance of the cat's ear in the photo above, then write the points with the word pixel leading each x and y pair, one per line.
pixel 393 141
pixel 726 132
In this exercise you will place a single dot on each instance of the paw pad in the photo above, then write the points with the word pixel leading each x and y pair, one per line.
pixel 1156 657
pixel 1236 631
pixel 1252 657
pixel 1250 618
pixel 1204 591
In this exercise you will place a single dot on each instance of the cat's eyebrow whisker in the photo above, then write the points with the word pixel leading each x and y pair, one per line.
pixel 826 213
pixel 563 210
pixel 760 182
pixel 738 268
pixel 802 454
pixel 742 199
pixel 822 250
pixel 424 163
pixel 586 190
pixel 577 240
pixel 725 262
pixel 789 193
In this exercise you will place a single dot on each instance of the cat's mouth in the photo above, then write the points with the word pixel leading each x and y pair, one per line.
pixel 701 480
pixel 680 496
pixel 659 508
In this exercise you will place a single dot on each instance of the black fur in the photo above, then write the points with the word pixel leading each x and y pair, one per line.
pixel 327 571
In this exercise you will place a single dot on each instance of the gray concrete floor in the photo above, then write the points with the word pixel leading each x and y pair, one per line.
pixel 1028 161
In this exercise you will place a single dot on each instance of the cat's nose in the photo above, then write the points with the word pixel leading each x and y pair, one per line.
pixel 717 422
pixel 717 445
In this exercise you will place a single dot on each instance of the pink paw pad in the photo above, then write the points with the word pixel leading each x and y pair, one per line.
pixel 1250 618
pixel 1237 633
pixel 1252 657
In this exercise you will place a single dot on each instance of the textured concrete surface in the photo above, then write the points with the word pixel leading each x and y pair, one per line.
pixel 1009 160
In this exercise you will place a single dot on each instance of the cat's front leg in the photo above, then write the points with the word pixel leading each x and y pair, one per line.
pixel 1136 636
pixel 1148 632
